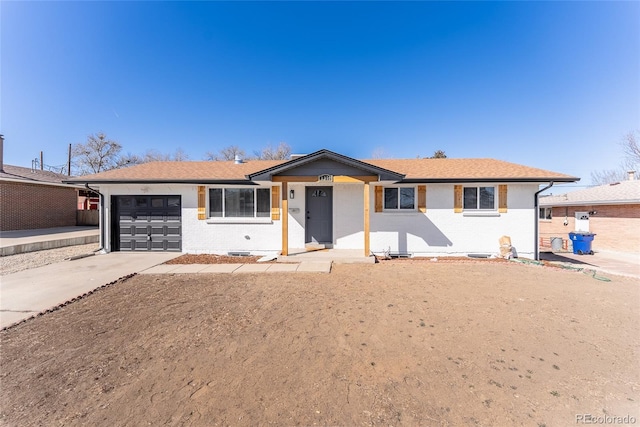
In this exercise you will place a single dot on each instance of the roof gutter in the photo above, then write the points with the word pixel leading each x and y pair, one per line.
pixel 101 223
pixel 536 216
pixel 487 180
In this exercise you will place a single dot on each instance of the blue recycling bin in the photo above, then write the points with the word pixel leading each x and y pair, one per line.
pixel 581 242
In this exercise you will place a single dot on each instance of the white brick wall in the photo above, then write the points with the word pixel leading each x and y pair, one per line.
pixel 438 232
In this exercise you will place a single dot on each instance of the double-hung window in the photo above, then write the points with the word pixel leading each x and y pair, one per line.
pixel 546 213
pixel 239 202
pixel 399 198
pixel 479 198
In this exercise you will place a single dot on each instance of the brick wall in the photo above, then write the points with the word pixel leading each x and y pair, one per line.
pixel 28 206
pixel 617 227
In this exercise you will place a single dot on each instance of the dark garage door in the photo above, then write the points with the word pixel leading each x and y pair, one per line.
pixel 147 223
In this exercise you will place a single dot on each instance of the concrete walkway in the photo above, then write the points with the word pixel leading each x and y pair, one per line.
pixel 20 241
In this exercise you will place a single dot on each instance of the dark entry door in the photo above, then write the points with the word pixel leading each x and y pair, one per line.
pixel 319 215
pixel 147 223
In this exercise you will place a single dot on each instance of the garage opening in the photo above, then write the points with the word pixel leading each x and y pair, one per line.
pixel 146 223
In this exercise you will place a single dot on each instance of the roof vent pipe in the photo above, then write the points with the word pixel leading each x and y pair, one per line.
pixel 1 153
pixel 631 175
pixel 238 159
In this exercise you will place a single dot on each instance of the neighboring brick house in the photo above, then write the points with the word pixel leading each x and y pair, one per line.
pixel 31 199
pixel 613 215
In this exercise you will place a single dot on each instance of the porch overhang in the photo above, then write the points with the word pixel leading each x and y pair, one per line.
pixel 324 162
pixel 325 167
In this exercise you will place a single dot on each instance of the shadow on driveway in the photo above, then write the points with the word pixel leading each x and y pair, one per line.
pixel 553 257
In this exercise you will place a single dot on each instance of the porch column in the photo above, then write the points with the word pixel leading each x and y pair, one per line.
pixel 367 251
pixel 285 219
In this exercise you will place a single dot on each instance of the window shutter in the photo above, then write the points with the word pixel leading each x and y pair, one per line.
pixel 275 202
pixel 378 198
pixel 422 198
pixel 457 198
pixel 202 202
pixel 502 198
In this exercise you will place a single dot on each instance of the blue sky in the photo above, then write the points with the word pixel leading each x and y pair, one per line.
pixel 554 85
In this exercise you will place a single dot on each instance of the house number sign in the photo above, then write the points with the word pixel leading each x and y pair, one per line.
pixel 325 178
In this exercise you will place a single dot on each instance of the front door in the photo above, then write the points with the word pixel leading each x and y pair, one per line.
pixel 319 215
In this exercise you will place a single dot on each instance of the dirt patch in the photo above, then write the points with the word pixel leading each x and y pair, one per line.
pixel 213 259
pixel 381 344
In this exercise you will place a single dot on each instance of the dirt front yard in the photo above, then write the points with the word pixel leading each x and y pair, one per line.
pixel 419 343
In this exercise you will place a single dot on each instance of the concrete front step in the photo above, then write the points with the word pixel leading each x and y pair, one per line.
pixel 310 247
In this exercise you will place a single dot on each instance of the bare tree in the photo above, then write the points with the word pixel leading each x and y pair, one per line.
pixel 156 156
pixel 631 148
pixel 379 153
pixel 630 162
pixel 180 155
pixel 281 152
pixel 128 159
pixel 98 154
pixel 608 176
pixel 227 153
pixel 438 154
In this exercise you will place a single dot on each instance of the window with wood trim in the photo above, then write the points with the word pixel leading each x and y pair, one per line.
pixel 239 202
pixel 479 198
pixel 399 198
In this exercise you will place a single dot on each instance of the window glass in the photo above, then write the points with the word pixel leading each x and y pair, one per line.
pixel 157 202
pixel 125 202
pixel 391 198
pixel 215 202
pixel 142 202
pixel 263 202
pixel 487 197
pixel 545 213
pixel 173 202
pixel 319 193
pixel 238 202
pixel 470 198
pixel 406 198
pixel 479 198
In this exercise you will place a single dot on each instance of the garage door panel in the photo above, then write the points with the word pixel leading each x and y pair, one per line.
pixel 174 230
pixel 158 231
pixel 149 223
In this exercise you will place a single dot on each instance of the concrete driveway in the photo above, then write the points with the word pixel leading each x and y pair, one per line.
pixel 29 292
pixel 620 263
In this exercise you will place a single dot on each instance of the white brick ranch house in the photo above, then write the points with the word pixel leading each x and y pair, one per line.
pixel 424 207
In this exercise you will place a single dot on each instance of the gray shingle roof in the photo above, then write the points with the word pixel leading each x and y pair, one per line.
pixel 627 192
pixel 19 173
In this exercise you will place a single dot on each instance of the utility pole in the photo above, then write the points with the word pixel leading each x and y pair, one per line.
pixel 69 162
